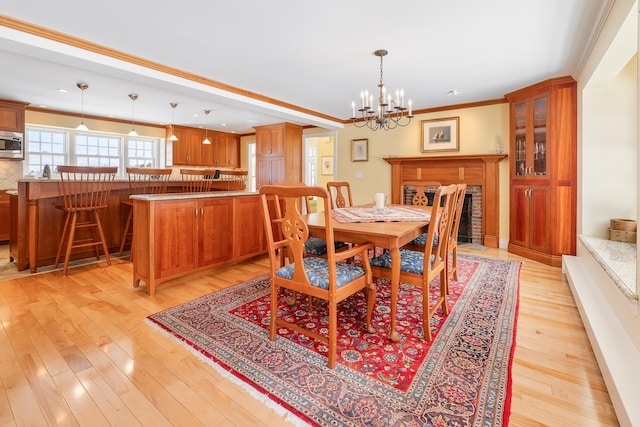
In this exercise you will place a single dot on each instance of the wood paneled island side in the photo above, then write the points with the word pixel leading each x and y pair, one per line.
pixel 178 234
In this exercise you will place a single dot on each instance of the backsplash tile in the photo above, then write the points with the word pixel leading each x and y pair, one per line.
pixel 10 173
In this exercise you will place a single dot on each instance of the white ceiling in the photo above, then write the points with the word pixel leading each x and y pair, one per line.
pixel 315 57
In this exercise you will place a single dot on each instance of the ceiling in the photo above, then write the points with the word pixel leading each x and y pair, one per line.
pixel 257 62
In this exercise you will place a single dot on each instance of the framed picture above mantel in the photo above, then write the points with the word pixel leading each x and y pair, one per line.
pixel 440 135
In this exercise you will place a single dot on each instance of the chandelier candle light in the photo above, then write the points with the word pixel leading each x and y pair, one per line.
pixel 389 114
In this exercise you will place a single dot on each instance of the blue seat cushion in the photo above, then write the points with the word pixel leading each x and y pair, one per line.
pixel 410 261
pixel 318 272
pixel 318 247
pixel 421 240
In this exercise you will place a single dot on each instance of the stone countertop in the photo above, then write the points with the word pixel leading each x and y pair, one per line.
pixel 184 196
pixel 618 259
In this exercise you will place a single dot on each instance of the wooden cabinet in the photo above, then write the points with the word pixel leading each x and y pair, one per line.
pixel 12 116
pixel 530 217
pixel 188 150
pixel 278 154
pixel 5 217
pixel 249 227
pixel 175 237
pixel 224 150
pixel 193 233
pixel 543 170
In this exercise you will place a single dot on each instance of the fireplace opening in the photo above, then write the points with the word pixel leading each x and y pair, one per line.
pixel 467 221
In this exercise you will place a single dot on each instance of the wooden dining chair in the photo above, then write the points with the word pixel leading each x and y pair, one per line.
pixel 452 246
pixel 330 278
pixel 142 181
pixel 198 180
pixel 85 191
pixel 314 246
pixel 419 268
pixel 340 192
pixel 420 198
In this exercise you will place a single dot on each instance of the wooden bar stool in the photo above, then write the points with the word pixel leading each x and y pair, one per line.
pixel 86 190
pixel 233 180
pixel 142 181
pixel 198 180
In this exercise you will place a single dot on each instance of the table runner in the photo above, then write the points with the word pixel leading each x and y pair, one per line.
pixel 388 214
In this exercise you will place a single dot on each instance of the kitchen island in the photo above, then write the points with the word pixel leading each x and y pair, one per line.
pixel 36 223
pixel 178 234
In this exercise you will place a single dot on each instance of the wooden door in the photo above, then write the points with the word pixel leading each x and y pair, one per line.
pixel 539 218
pixel 232 151
pixel 215 236
pixel 180 147
pixel 519 221
pixel 194 143
pixel 249 227
pixel 176 236
pixel 208 157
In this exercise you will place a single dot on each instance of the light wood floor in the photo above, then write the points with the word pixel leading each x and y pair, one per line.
pixel 75 351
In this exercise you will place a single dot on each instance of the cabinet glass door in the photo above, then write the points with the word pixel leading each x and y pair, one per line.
pixel 520 143
pixel 540 136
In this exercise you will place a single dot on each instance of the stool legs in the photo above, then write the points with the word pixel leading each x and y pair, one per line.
pixel 68 235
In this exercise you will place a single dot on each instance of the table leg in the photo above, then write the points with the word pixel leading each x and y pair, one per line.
pixel 395 284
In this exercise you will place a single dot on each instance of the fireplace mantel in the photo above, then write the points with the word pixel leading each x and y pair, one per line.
pixel 472 169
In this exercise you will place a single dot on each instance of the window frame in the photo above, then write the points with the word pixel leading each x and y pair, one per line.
pixel 70 148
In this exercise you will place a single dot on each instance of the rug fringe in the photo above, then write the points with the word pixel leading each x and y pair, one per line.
pixel 260 397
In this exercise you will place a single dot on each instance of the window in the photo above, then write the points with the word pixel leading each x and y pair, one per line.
pixel 140 152
pixel 54 146
pixel 98 150
pixel 44 147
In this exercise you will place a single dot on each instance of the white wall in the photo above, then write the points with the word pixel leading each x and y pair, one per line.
pixel 609 147
pixel 480 127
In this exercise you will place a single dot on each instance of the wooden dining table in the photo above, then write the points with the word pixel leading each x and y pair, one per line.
pixel 391 235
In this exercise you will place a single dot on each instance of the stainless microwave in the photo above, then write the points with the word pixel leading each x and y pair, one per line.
pixel 11 145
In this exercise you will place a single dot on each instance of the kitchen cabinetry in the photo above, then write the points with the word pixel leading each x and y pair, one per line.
pixel 12 116
pixel 278 154
pixel 543 170
pixel 224 150
pixel 5 217
pixel 188 150
pixel 181 235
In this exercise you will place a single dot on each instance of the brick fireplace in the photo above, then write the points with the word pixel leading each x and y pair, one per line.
pixel 479 171
pixel 471 219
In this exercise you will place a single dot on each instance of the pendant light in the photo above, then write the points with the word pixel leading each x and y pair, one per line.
pixel 82 87
pixel 133 97
pixel 206 131
pixel 173 105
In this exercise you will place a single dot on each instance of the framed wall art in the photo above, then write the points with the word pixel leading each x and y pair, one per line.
pixel 327 165
pixel 359 150
pixel 441 135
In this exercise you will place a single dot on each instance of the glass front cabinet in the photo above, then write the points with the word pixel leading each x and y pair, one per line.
pixel 530 136
pixel 543 170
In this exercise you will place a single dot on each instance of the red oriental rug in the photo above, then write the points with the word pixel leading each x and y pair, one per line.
pixel 461 378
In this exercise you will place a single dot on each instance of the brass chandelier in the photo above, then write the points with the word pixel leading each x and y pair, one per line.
pixel 389 113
